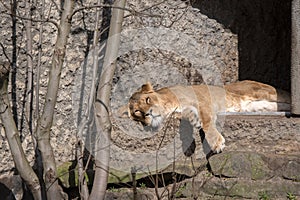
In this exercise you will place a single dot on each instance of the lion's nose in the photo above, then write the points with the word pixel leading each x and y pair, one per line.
pixel 149 113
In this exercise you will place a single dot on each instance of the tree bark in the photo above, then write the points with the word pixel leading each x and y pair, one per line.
pixel 83 187
pixel 13 137
pixel 44 124
pixel 102 104
pixel 29 90
pixel 13 79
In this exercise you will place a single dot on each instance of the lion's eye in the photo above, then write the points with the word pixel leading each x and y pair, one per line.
pixel 148 100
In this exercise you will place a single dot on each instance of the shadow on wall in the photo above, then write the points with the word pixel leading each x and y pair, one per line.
pixel 264 36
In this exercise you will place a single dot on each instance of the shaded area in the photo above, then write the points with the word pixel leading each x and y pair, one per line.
pixel 264 36
pixel 5 192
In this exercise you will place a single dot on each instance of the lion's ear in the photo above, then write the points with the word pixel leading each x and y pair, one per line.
pixel 147 88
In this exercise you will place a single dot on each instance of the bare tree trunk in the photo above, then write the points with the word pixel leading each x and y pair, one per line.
pixel 82 183
pixel 38 157
pixel 44 124
pixel 83 188
pixel 38 74
pixel 14 4
pixel 29 90
pixel 13 138
pixel 102 104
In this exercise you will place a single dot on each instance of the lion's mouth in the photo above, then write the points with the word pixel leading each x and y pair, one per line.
pixel 156 121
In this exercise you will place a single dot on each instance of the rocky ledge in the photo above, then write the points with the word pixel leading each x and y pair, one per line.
pixel 261 161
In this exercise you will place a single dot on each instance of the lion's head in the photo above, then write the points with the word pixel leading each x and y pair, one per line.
pixel 145 106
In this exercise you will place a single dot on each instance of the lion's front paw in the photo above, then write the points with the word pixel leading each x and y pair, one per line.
pixel 219 146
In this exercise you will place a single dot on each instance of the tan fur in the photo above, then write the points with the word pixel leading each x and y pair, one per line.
pixel 152 107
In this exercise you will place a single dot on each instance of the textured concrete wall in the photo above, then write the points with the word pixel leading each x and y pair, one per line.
pixel 162 68
pixel 264 36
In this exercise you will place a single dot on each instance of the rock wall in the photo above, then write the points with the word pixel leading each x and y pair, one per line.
pixel 163 66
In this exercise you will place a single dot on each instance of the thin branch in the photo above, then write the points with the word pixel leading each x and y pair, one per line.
pixel 29 90
pixel 133 12
pixel 54 191
pixel 56 6
pixel 34 20
pixel 4 52
pixel 13 138
pixel 14 62
pixel 5 6
pixel 154 5
pixel 39 62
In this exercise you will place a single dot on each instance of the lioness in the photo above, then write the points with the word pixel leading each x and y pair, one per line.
pixel 201 103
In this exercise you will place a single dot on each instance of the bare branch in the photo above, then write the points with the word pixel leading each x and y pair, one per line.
pixel 38 74
pixel 33 20
pixel 56 6
pixel 154 5
pixel 45 121
pixel 29 90
pixel 133 12
pixel 13 138
pixel 82 183
pixel 4 52
pixel 103 100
